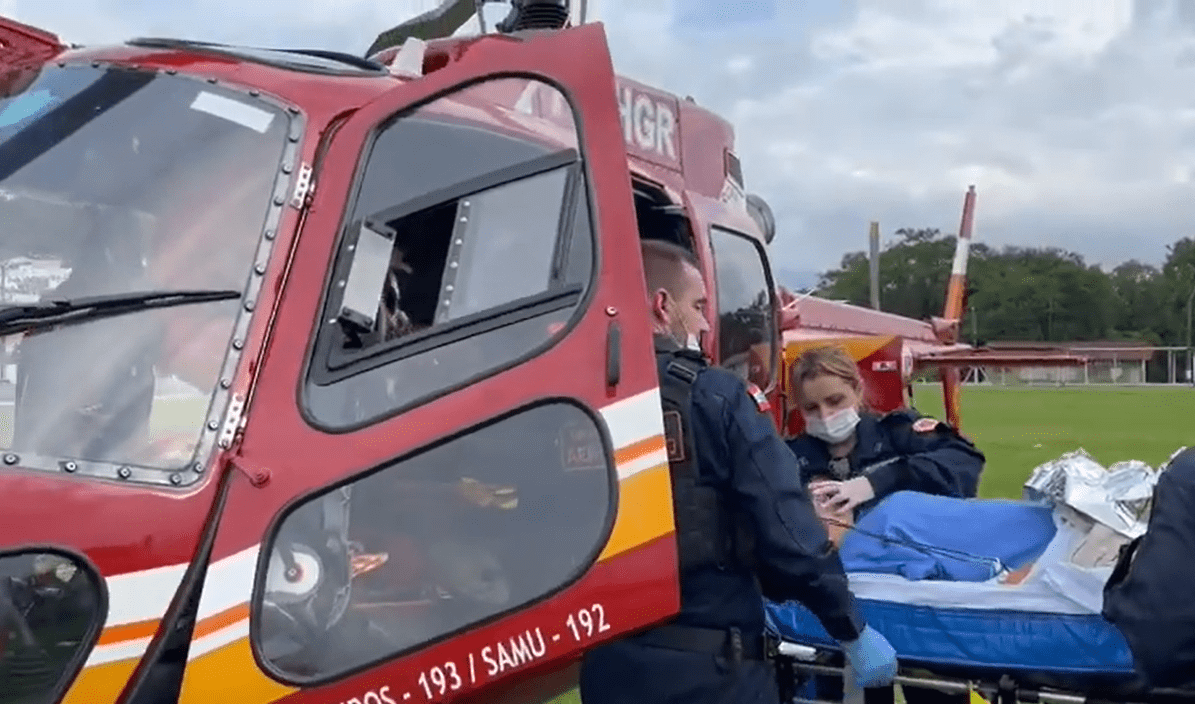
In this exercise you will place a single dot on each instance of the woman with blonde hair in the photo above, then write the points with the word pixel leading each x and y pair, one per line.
pixel 851 458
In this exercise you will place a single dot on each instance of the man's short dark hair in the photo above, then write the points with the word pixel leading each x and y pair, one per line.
pixel 663 264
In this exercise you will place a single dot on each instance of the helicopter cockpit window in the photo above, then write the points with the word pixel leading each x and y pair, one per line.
pixel 472 528
pixel 468 247
pixel 747 328
pixel 118 183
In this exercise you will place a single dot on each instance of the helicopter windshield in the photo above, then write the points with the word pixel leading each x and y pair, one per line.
pixel 118 182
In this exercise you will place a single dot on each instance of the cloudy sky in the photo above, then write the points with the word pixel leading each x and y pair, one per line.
pixel 1075 119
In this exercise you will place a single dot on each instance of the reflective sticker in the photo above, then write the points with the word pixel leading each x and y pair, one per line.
pixel 924 425
pixel 674 435
pixel 582 447
pixel 757 395
pixel 233 110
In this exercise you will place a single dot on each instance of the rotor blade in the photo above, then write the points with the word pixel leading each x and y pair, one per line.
pixel 433 24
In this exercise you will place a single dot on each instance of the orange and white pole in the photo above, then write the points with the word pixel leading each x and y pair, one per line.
pixel 951 384
pixel 958 271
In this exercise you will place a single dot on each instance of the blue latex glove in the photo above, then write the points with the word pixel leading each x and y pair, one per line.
pixel 873 658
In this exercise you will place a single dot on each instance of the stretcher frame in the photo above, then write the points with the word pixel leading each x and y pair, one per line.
pixel 796 661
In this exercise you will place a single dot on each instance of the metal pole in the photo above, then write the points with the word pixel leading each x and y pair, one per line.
pixel 852 693
pixel 874 237
pixel 1190 363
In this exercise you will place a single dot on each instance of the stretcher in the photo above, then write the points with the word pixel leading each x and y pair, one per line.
pixel 1000 598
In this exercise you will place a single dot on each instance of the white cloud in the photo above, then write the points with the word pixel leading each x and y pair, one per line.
pixel 1074 119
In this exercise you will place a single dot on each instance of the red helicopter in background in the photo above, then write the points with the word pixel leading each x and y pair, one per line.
pixel 344 388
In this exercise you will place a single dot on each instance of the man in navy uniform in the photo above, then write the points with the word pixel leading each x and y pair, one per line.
pixel 745 530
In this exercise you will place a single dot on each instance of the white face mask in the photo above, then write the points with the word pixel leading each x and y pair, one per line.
pixel 834 428
pixel 693 342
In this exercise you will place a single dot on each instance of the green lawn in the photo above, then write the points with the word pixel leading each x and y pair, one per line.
pixel 1020 428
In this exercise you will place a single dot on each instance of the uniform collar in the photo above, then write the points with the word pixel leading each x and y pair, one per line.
pixel 665 343
pixel 867 435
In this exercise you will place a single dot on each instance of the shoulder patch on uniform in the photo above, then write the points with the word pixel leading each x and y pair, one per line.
pixel 924 425
pixel 761 401
pixel 674 436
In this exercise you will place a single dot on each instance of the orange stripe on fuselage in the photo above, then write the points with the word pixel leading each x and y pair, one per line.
pixel 644 511
pixel 128 631
pixel 635 450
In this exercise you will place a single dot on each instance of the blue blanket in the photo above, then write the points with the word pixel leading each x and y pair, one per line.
pixel 922 536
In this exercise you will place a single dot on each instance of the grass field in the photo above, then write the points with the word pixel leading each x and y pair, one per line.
pixel 1020 428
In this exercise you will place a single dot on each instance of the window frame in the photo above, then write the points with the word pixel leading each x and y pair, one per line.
pixel 578 219
pixel 274 528
pixel 222 402
pixel 774 324
pixel 335 364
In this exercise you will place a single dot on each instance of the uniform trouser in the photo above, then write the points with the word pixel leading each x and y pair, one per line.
pixel 626 672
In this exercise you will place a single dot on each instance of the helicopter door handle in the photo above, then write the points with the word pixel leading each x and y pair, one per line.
pixel 613 354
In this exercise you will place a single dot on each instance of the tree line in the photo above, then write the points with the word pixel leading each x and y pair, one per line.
pixel 1034 294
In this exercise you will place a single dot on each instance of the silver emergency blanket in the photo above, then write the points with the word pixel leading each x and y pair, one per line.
pixel 1118 497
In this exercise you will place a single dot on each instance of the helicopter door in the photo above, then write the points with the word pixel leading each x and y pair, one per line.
pixel 457 430
pixel 746 327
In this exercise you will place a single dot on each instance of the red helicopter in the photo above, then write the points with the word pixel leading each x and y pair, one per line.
pixel 336 383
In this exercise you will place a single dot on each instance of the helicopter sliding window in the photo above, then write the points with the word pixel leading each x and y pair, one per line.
pixel 468 248
pixel 746 324
pixel 465 255
pixel 661 219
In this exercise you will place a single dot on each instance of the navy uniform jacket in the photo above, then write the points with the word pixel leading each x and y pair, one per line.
pixel 739 449
pixel 899 454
